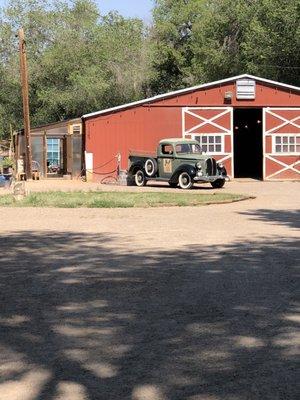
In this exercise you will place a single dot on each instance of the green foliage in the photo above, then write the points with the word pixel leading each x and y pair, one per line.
pixel 7 162
pixel 81 61
pixel 171 43
pixel 78 60
pixel 197 41
pixel 272 41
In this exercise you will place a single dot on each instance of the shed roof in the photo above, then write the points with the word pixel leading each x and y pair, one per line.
pixel 58 124
pixel 51 125
pixel 190 89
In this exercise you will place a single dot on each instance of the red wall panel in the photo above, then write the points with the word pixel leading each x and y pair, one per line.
pixel 272 167
pixel 140 128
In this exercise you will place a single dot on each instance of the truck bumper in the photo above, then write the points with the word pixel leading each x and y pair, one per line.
pixel 211 178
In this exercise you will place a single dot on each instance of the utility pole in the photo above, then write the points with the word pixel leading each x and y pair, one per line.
pixel 25 96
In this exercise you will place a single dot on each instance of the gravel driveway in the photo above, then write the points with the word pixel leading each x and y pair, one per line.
pixel 153 304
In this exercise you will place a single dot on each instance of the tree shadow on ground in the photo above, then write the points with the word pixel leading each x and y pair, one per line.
pixel 284 217
pixel 205 323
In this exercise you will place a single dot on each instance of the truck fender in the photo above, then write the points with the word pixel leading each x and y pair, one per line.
pixel 183 168
pixel 135 167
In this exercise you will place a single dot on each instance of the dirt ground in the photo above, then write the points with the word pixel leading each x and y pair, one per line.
pixel 152 304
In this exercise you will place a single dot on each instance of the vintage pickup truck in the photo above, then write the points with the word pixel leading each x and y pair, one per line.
pixel 178 162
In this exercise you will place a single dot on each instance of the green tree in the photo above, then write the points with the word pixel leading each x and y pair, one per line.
pixel 79 61
pixel 196 41
pixel 171 42
pixel 272 41
pixel 218 34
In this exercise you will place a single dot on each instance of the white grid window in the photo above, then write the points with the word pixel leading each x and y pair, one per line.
pixel 286 144
pixel 212 144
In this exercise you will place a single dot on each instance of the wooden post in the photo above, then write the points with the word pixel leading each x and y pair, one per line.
pixel 11 144
pixel 45 155
pixel 25 96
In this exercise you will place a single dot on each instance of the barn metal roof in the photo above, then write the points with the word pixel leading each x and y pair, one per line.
pixel 190 89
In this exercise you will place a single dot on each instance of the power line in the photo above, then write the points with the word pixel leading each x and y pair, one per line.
pixel 278 66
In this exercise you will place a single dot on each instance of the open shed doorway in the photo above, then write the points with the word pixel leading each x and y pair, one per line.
pixel 56 157
pixel 248 149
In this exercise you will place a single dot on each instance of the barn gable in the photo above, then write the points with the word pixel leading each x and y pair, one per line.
pixel 216 92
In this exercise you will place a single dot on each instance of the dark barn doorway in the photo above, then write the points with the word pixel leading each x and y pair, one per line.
pixel 248 149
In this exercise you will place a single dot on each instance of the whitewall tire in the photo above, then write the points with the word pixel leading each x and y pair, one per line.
pixel 150 167
pixel 185 180
pixel 139 178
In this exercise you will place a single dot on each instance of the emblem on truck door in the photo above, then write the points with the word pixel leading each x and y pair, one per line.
pixel 168 165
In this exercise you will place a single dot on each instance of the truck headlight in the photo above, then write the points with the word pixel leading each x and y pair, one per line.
pixel 198 165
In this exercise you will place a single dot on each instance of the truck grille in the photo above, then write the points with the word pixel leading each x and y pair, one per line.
pixel 211 167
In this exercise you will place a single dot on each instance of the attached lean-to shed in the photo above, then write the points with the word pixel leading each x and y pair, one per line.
pixel 249 123
pixel 57 149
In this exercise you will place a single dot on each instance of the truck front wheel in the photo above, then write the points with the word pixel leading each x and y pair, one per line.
pixel 139 178
pixel 218 184
pixel 185 180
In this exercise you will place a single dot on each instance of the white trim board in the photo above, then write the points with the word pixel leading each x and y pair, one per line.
pixel 188 90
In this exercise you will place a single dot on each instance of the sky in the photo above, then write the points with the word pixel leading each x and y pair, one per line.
pixel 128 8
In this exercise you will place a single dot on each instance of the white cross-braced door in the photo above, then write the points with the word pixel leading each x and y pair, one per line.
pixel 281 139
pixel 213 128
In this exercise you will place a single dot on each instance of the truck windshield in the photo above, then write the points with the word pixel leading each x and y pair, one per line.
pixel 187 148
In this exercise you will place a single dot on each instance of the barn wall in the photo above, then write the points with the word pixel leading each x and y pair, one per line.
pixel 141 127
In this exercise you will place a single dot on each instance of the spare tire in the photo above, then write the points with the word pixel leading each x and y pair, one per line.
pixel 150 167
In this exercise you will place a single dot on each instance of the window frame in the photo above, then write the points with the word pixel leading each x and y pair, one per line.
pixel 214 135
pixel 168 154
pixel 285 153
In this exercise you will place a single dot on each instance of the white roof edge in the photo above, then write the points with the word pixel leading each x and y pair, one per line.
pixel 187 90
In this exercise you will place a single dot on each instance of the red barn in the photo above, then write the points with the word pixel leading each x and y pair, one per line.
pixel 250 123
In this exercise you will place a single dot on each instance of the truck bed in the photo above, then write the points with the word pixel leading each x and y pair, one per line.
pixel 142 154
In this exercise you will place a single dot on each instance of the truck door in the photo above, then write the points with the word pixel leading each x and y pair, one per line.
pixel 166 160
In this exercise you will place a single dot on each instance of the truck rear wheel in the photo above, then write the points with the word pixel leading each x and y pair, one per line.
pixel 139 178
pixel 150 167
pixel 185 180
pixel 218 184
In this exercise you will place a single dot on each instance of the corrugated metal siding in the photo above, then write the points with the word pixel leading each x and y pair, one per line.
pixel 137 129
